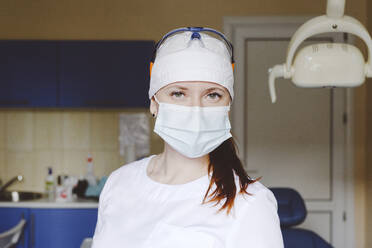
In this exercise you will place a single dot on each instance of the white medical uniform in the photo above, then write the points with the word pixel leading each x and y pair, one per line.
pixel 138 212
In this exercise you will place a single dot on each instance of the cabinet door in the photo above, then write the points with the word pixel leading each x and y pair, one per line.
pixel 28 75
pixel 104 73
pixel 9 217
pixel 61 228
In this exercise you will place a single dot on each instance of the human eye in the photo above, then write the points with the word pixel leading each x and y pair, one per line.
pixel 214 95
pixel 177 94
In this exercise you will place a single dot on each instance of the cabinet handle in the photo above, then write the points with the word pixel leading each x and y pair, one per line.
pixel 14 102
pixel 32 231
pixel 23 233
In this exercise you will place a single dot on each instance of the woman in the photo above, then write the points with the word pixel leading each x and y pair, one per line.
pixel 196 193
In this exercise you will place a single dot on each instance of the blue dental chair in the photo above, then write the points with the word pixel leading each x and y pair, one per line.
pixel 292 211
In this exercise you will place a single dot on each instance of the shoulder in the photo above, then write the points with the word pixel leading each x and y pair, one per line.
pixel 255 219
pixel 129 169
pixel 118 177
pixel 260 198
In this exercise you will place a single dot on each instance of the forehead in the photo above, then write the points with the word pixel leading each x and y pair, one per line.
pixel 195 84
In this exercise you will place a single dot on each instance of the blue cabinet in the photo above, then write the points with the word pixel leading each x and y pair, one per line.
pixel 51 227
pixel 89 74
pixel 28 74
pixel 104 73
pixel 61 228
pixel 9 217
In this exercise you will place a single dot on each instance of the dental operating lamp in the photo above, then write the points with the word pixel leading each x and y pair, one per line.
pixel 325 64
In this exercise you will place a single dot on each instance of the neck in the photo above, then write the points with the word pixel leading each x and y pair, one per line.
pixel 172 166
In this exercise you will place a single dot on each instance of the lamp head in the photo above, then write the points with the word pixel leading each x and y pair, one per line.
pixel 329 65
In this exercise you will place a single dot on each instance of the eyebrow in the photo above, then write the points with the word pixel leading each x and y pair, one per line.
pixel 214 88
pixel 178 87
pixel 185 88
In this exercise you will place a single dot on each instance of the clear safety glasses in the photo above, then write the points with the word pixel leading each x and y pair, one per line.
pixel 195 35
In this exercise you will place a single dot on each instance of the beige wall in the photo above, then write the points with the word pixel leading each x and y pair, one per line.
pixel 32 140
pixel 139 19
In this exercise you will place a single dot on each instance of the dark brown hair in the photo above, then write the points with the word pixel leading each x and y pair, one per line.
pixel 224 161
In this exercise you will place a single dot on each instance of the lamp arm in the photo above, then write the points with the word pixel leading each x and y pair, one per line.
pixel 275 72
pixel 335 8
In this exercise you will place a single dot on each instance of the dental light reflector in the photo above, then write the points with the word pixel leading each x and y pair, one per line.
pixel 325 64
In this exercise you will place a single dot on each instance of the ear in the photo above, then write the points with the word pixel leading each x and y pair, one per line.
pixel 153 106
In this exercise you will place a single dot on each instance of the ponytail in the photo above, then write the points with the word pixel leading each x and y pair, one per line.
pixel 224 162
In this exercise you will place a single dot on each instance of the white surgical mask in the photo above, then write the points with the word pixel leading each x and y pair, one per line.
pixel 192 130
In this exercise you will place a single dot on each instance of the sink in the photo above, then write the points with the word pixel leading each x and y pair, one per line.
pixel 16 196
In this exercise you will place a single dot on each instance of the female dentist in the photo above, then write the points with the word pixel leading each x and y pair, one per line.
pixel 196 193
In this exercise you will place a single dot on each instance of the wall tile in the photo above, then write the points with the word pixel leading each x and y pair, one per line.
pixel 33 140
pixel 2 165
pixel 101 161
pixel 19 127
pixel 121 159
pixel 104 131
pixel 74 162
pixel 76 130
pixel 2 130
pixel 47 131
pixel 105 162
pixel 20 163
pixel 41 161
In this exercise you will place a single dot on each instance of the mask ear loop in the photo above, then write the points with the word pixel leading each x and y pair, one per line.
pixel 156 99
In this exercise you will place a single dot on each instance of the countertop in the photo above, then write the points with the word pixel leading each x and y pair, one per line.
pixel 45 203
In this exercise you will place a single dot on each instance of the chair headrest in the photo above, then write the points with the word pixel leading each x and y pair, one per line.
pixel 291 206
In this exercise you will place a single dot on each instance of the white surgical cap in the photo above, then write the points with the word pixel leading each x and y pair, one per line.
pixel 179 58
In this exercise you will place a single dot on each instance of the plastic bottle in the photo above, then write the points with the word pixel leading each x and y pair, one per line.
pixel 92 181
pixel 61 194
pixel 49 184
